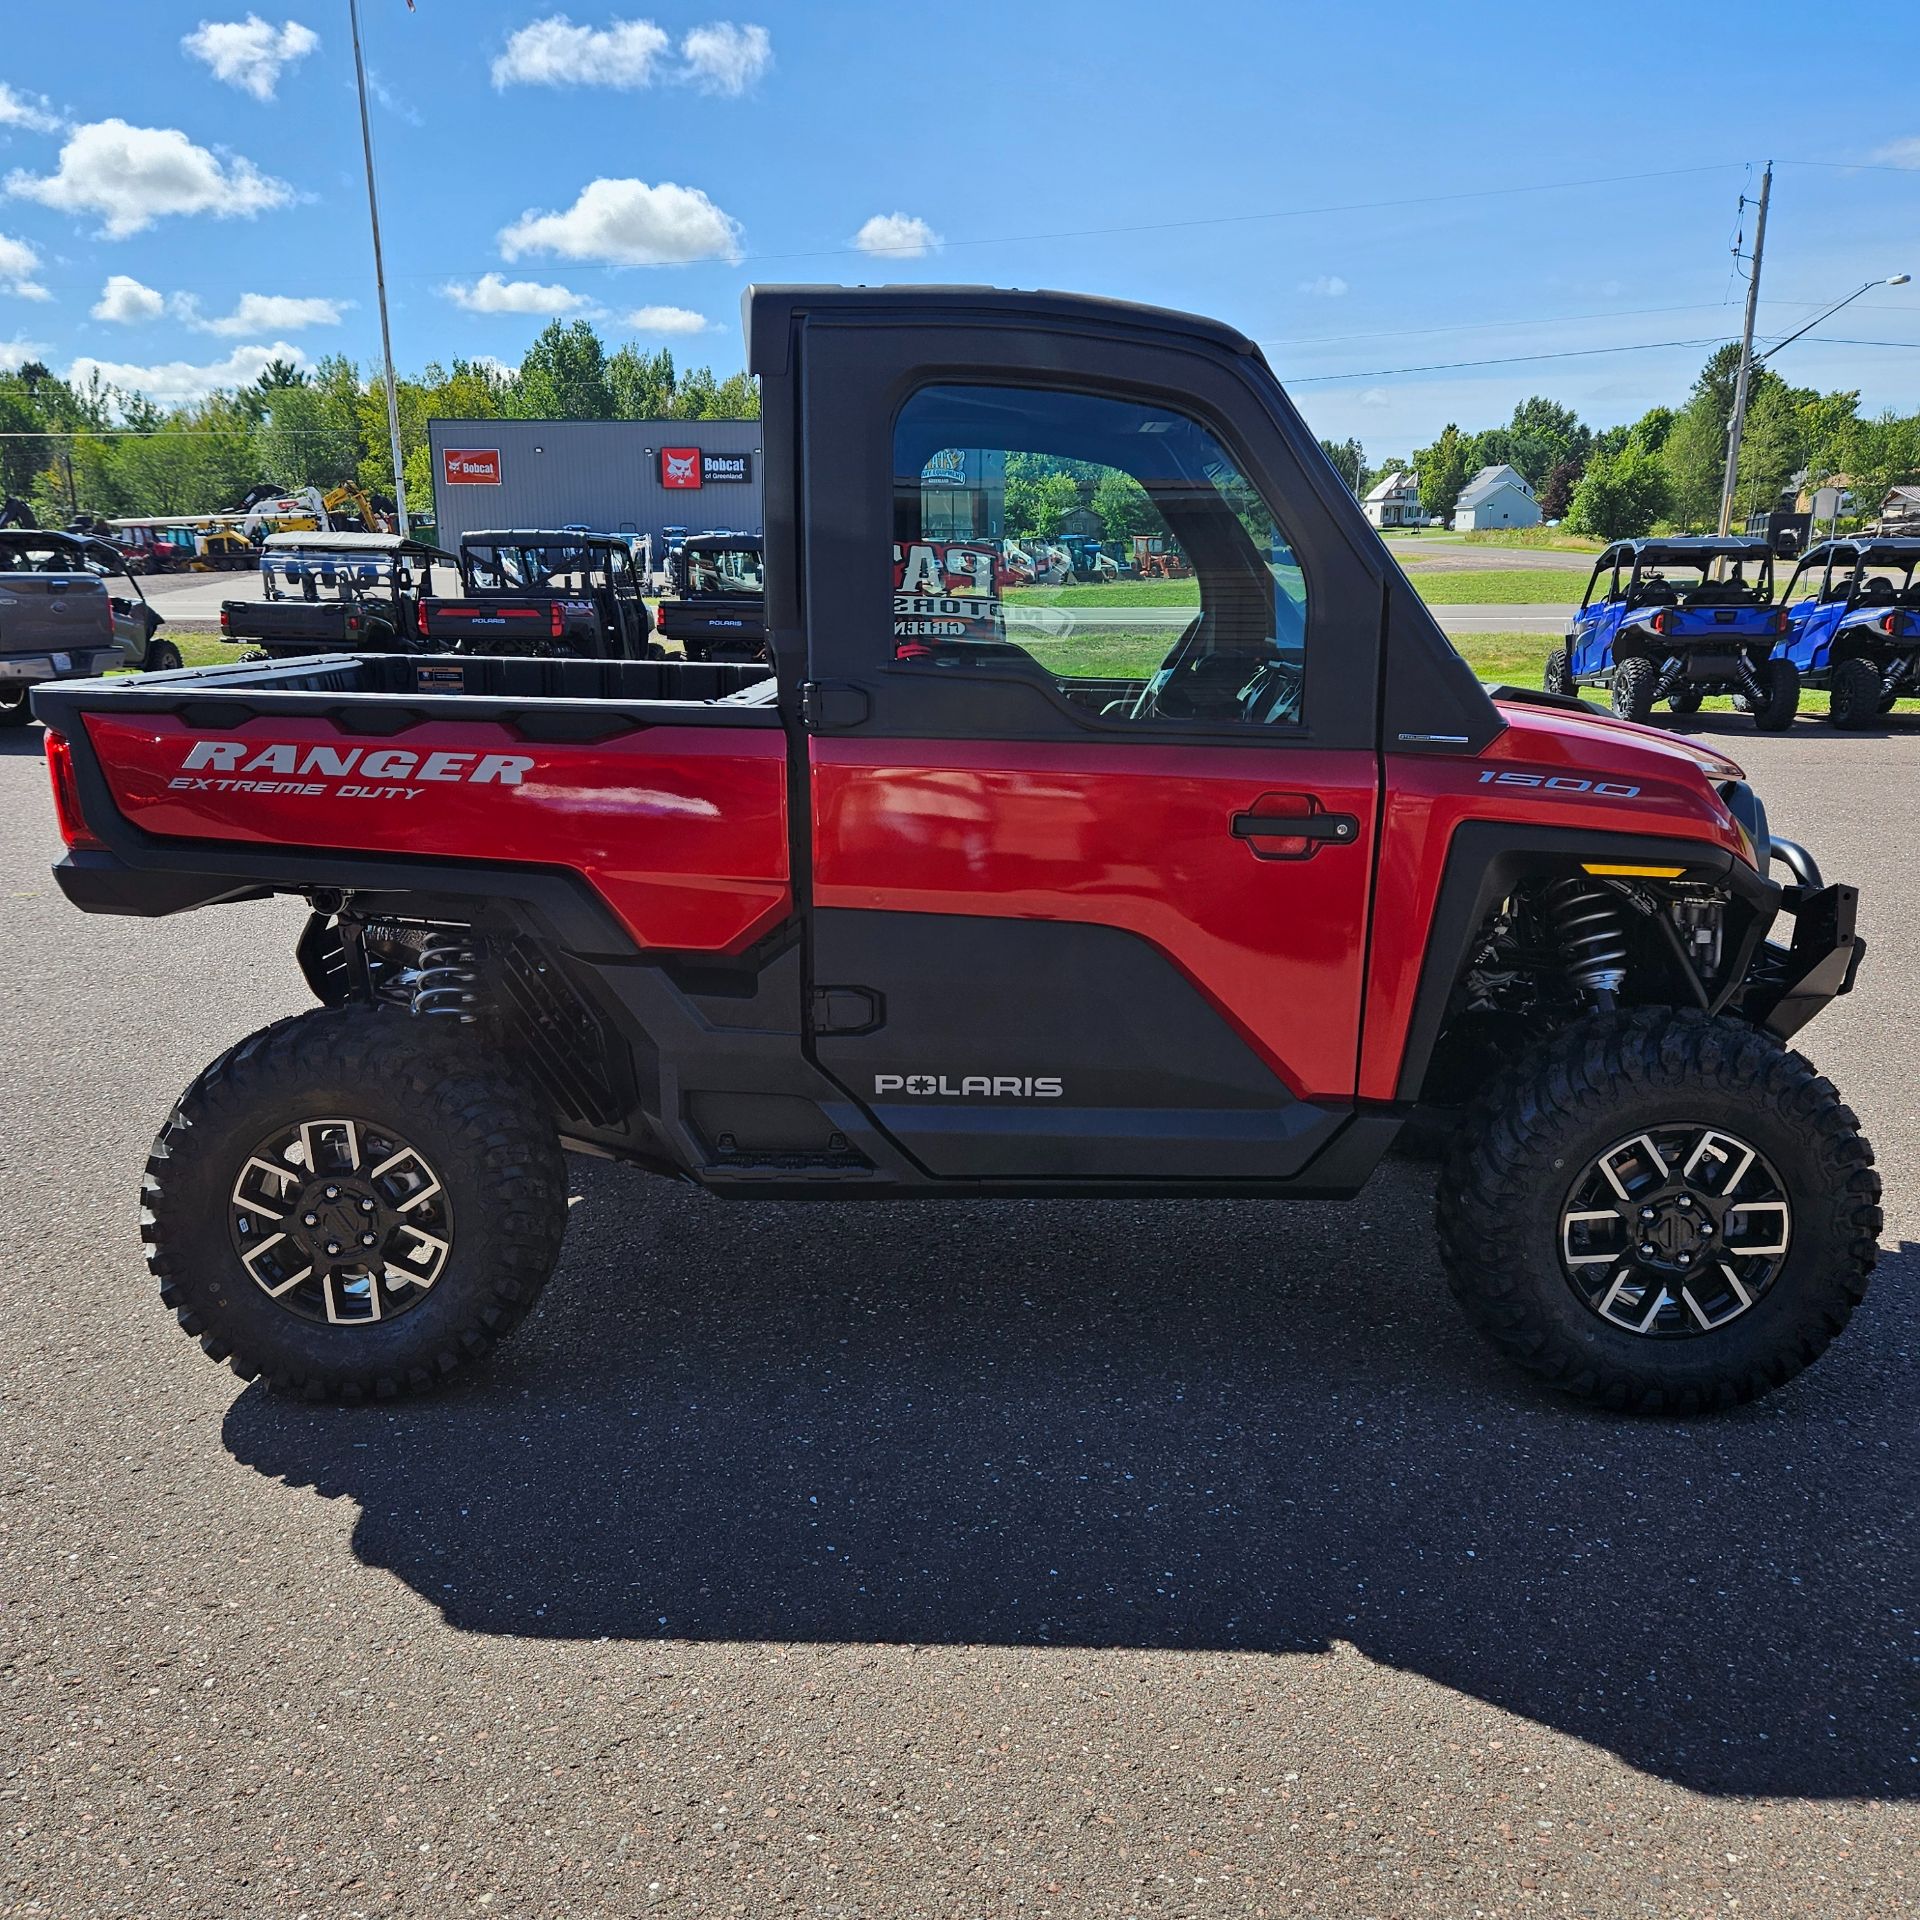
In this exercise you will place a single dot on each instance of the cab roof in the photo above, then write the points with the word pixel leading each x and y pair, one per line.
pixel 1873 550
pixel 541 537
pixel 1689 549
pixel 767 313
pixel 349 543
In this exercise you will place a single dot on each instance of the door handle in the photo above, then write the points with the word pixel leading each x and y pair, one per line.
pixel 1335 827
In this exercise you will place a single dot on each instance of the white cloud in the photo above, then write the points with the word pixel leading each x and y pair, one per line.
pixel 127 303
pixel 1376 397
pixel 1899 153
pixel 15 354
pixel 491 293
pixel 18 264
pixel 555 53
pixel 1328 286
pixel 258 313
pixel 552 52
pixel 723 58
pixel 905 236
pixel 499 368
pixel 250 54
pixel 176 381
pixel 133 176
pixel 34 111
pixel 630 224
pixel 667 320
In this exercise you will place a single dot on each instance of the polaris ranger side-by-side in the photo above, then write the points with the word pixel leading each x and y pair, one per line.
pixel 1677 619
pixel 716 608
pixel 329 590
pixel 543 591
pixel 1209 903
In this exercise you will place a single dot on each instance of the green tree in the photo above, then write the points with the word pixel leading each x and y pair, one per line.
pixel 1443 470
pixel 1040 492
pixel 564 375
pixel 1349 462
pixel 1124 509
pixel 1557 488
pixel 1620 495
pixel 641 384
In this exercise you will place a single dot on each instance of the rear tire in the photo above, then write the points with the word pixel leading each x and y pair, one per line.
pixel 1558 677
pixel 231 1209
pixel 1780 683
pixel 1633 685
pixel 162 657
pixel 1853 698
pixel 14 708
pixel 1511 1194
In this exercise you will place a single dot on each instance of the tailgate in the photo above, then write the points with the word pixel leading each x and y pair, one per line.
pixel 503 623
pixel 681 829
pixel 45 612
pixel 326 627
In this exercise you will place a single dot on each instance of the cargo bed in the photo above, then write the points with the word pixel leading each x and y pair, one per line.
pixel 639 802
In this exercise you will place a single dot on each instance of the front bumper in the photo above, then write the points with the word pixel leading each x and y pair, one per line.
pixel 1789 985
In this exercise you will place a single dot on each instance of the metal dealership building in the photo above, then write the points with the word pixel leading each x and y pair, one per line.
pixel 615 476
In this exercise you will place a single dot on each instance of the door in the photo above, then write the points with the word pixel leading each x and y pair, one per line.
pixel 1593 626
pixel 1091 863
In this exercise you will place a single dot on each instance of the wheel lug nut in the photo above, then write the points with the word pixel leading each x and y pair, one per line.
pixel 1685 1201
pixel 1646 1213
pixel 369 1240
pixel 312 1219
pixel 333 1193
pixel 1646 1247
pixel 366 1206
pixel 1706 1228
pixel 1686 1260
pixel 333 1246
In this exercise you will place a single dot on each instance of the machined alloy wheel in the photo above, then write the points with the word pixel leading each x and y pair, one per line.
pixel 1673 1232
pixel 341 1221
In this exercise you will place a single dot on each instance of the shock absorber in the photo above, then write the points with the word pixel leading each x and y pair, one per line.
pixel 1586 923
pixel 446 984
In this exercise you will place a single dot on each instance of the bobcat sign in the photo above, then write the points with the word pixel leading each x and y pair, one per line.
pixel 696 467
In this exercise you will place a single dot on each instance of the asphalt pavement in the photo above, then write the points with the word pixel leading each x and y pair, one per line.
pixel 962 1560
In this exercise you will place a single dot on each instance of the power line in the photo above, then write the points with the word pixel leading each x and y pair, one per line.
pixel 1506 360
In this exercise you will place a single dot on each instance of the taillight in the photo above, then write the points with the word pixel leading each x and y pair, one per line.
pixel 558 626
pixel 420 616
pixel 1888 624
pixel 1659 623
pixel 353 623
pixel 1780 621
pixel 66 796
pixel 226 621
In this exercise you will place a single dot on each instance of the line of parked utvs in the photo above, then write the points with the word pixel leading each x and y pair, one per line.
pixel 510 591
pixel 1682 618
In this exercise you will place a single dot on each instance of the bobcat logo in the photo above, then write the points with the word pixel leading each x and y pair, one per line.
pixel 679 466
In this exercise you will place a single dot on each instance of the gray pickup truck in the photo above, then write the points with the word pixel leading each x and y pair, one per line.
pixel 68 610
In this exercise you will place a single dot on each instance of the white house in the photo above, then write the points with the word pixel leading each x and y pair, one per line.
pixel 1395 502
pixel 1496 497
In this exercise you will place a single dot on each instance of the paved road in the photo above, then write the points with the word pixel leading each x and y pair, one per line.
pixel 1502 618
pixel 980 1560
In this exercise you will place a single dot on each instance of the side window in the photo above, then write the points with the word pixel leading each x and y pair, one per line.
pixel 1112 547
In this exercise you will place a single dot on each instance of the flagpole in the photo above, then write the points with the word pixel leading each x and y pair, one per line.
pixel 380 277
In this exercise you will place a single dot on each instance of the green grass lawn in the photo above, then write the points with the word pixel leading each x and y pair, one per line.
pixel 1112 593
pixel 1498 586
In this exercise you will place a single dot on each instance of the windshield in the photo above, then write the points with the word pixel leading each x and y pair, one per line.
pixel 535 568
pixel 299 574
pixel 734 571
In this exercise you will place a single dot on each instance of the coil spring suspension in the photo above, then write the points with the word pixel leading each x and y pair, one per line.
pixel 1587 925
pixel 447 982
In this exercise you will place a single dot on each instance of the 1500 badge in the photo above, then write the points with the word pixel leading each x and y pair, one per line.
pixel 1561 783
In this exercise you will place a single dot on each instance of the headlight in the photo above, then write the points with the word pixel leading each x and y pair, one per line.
pixel 1750 816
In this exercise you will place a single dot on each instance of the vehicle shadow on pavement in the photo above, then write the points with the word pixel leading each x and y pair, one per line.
pixel 24 741
pixel 1154 1425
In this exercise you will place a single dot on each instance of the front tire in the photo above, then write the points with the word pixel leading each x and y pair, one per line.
pixel 354 1204
pixel 1545 1250
pixel 1853 700
pixel 1780 683
pixel 1633 685
pixel 1558 677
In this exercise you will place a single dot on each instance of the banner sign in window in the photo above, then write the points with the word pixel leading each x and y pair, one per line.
pixel 943 591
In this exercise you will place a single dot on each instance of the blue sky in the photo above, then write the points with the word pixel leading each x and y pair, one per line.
pixel 1318 176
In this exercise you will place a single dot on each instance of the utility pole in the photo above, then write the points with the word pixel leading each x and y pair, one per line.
pixel 1737 426
pixel 380 279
